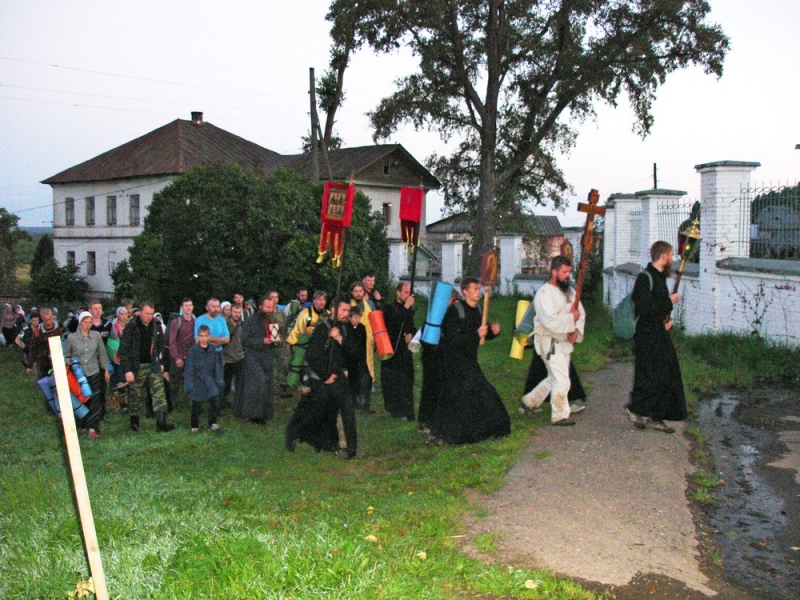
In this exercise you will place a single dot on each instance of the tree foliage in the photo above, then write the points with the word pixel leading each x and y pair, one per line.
pixel 10 238
pixel 58 285
pixel 123 279
pixel 219 230
pixel 509 80
pixel 44 252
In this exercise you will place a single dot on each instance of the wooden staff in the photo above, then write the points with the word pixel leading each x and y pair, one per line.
pixel 488 279
pixel 591 209
pixel 76 467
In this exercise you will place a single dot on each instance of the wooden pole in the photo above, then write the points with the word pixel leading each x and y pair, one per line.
pixel 76 467
pixel 485 316
pixel 312 92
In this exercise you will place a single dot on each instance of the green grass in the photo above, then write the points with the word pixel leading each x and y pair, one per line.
pixel 235 516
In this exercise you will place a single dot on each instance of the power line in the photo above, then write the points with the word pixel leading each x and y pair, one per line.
pixel 190 85
pixel 35 89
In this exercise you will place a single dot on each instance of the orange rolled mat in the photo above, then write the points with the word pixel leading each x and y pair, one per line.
pixel 382 342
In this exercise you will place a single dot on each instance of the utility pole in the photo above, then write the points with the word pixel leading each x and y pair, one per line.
pixel 655 176
pixel 312 82
pixel 317 139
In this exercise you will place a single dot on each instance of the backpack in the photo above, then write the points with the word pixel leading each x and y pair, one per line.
pixel 623 317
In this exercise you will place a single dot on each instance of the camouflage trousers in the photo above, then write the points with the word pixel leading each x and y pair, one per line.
pixel 147 382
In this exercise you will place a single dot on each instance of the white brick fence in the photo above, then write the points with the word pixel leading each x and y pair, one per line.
pixel 727 291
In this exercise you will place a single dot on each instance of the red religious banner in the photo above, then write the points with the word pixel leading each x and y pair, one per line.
pixel 411 200
pixel 337 208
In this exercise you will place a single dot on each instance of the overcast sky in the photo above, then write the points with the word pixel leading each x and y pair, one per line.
pixel 80 78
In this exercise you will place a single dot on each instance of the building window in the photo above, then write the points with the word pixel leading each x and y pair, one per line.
pixel 91 263
pixel 112 261
pixel 386 166
pixel 70 258
pixel 69 211
pixel 134 210
pixel 635 233
pixel 111 210
pixel 90 211
pixel 387 214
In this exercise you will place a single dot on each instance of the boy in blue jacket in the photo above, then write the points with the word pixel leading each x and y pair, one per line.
pixel 204 379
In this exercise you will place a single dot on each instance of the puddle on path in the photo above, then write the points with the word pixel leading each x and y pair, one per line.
pixel 756 519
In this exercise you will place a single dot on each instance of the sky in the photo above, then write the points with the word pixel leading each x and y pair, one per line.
pixel 78 78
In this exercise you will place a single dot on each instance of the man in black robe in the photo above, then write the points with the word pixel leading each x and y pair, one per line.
pixel 657 394
pixel 397 372
pixel 470 409
pixel 254 399
pixel 314 418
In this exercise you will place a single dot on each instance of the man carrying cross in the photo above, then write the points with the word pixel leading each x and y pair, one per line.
pixel 558 325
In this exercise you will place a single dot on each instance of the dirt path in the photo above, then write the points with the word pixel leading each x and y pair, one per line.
pixel 601 501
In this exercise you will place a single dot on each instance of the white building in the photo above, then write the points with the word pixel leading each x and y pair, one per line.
pixel 99 206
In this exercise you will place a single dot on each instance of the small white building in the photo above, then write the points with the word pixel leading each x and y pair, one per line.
pixel 99 206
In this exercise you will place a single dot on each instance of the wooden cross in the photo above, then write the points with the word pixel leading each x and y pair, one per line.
pixel 591 209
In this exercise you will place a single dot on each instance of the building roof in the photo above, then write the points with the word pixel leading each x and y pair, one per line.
pixel 183 144
pixel 173 149
pixel 545 225
pixel 357 161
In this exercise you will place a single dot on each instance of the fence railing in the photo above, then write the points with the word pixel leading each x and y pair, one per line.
pixel 674 217
pixel 769 221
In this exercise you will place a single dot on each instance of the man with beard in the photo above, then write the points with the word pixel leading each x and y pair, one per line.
pixel 254 401
pixel 215 322
pixel 281 349
pixel 397 372
pixel 557 326
pixel 314 418
pixel 141 351
pixel 657 383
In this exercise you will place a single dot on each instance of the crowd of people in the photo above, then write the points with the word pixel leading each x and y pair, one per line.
pixel 241 355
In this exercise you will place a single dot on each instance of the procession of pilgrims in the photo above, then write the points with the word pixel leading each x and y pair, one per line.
pixel 241 355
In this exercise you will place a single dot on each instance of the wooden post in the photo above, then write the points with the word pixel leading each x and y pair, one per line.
pixel 76 467
pixel 488 279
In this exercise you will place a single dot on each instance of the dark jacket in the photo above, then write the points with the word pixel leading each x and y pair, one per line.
pixel 203 376
pixel 129 347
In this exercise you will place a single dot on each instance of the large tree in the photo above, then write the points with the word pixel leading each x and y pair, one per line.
pixel 509 79
pixel 11 237
pixel 219 230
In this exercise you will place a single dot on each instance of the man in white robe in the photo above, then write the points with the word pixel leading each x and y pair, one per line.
pixel 557 326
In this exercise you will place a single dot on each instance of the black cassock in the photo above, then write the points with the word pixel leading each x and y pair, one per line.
pixel 469 409
pixel 657 383
pixel 254 398
pixel 397 373
pixel 432 377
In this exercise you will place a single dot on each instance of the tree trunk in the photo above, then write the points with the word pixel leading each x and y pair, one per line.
pixel 484 232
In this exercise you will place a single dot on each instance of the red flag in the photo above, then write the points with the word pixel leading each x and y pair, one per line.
pixel 337 208
pixel 411 200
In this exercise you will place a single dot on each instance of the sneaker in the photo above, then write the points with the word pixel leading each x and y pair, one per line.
pixel 195 430
pixel 638 421
pixel 216 428
pixel 345 454
pixel 432 440
pixel 659 425
pixel 93 435
pixel 577 406
pixel 563 423
pixel 424 429
pixel 527 411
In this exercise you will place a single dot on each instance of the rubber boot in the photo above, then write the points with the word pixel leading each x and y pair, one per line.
pixel 134 422
pixel 161 422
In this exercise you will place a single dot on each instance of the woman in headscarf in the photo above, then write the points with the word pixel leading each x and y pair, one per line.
pixel 87 346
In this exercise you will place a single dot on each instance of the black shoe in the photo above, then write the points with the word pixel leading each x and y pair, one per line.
pixel 563 423
pixel 161 423
pixel 638 421
pixel 659 425
pixel 367 410
pixel 134 423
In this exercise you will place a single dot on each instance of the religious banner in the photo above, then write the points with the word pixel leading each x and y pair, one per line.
pixel 488 280
pixel 337 208
pixel 411 200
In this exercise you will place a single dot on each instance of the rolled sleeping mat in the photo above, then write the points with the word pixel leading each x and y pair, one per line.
pixel 48 387
pixel 415 345
pixel 518 349
pixel 525 327
pixel 77 370
pixel 112 347
pixel 440 301
pixel 297 364
pixel 382 342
